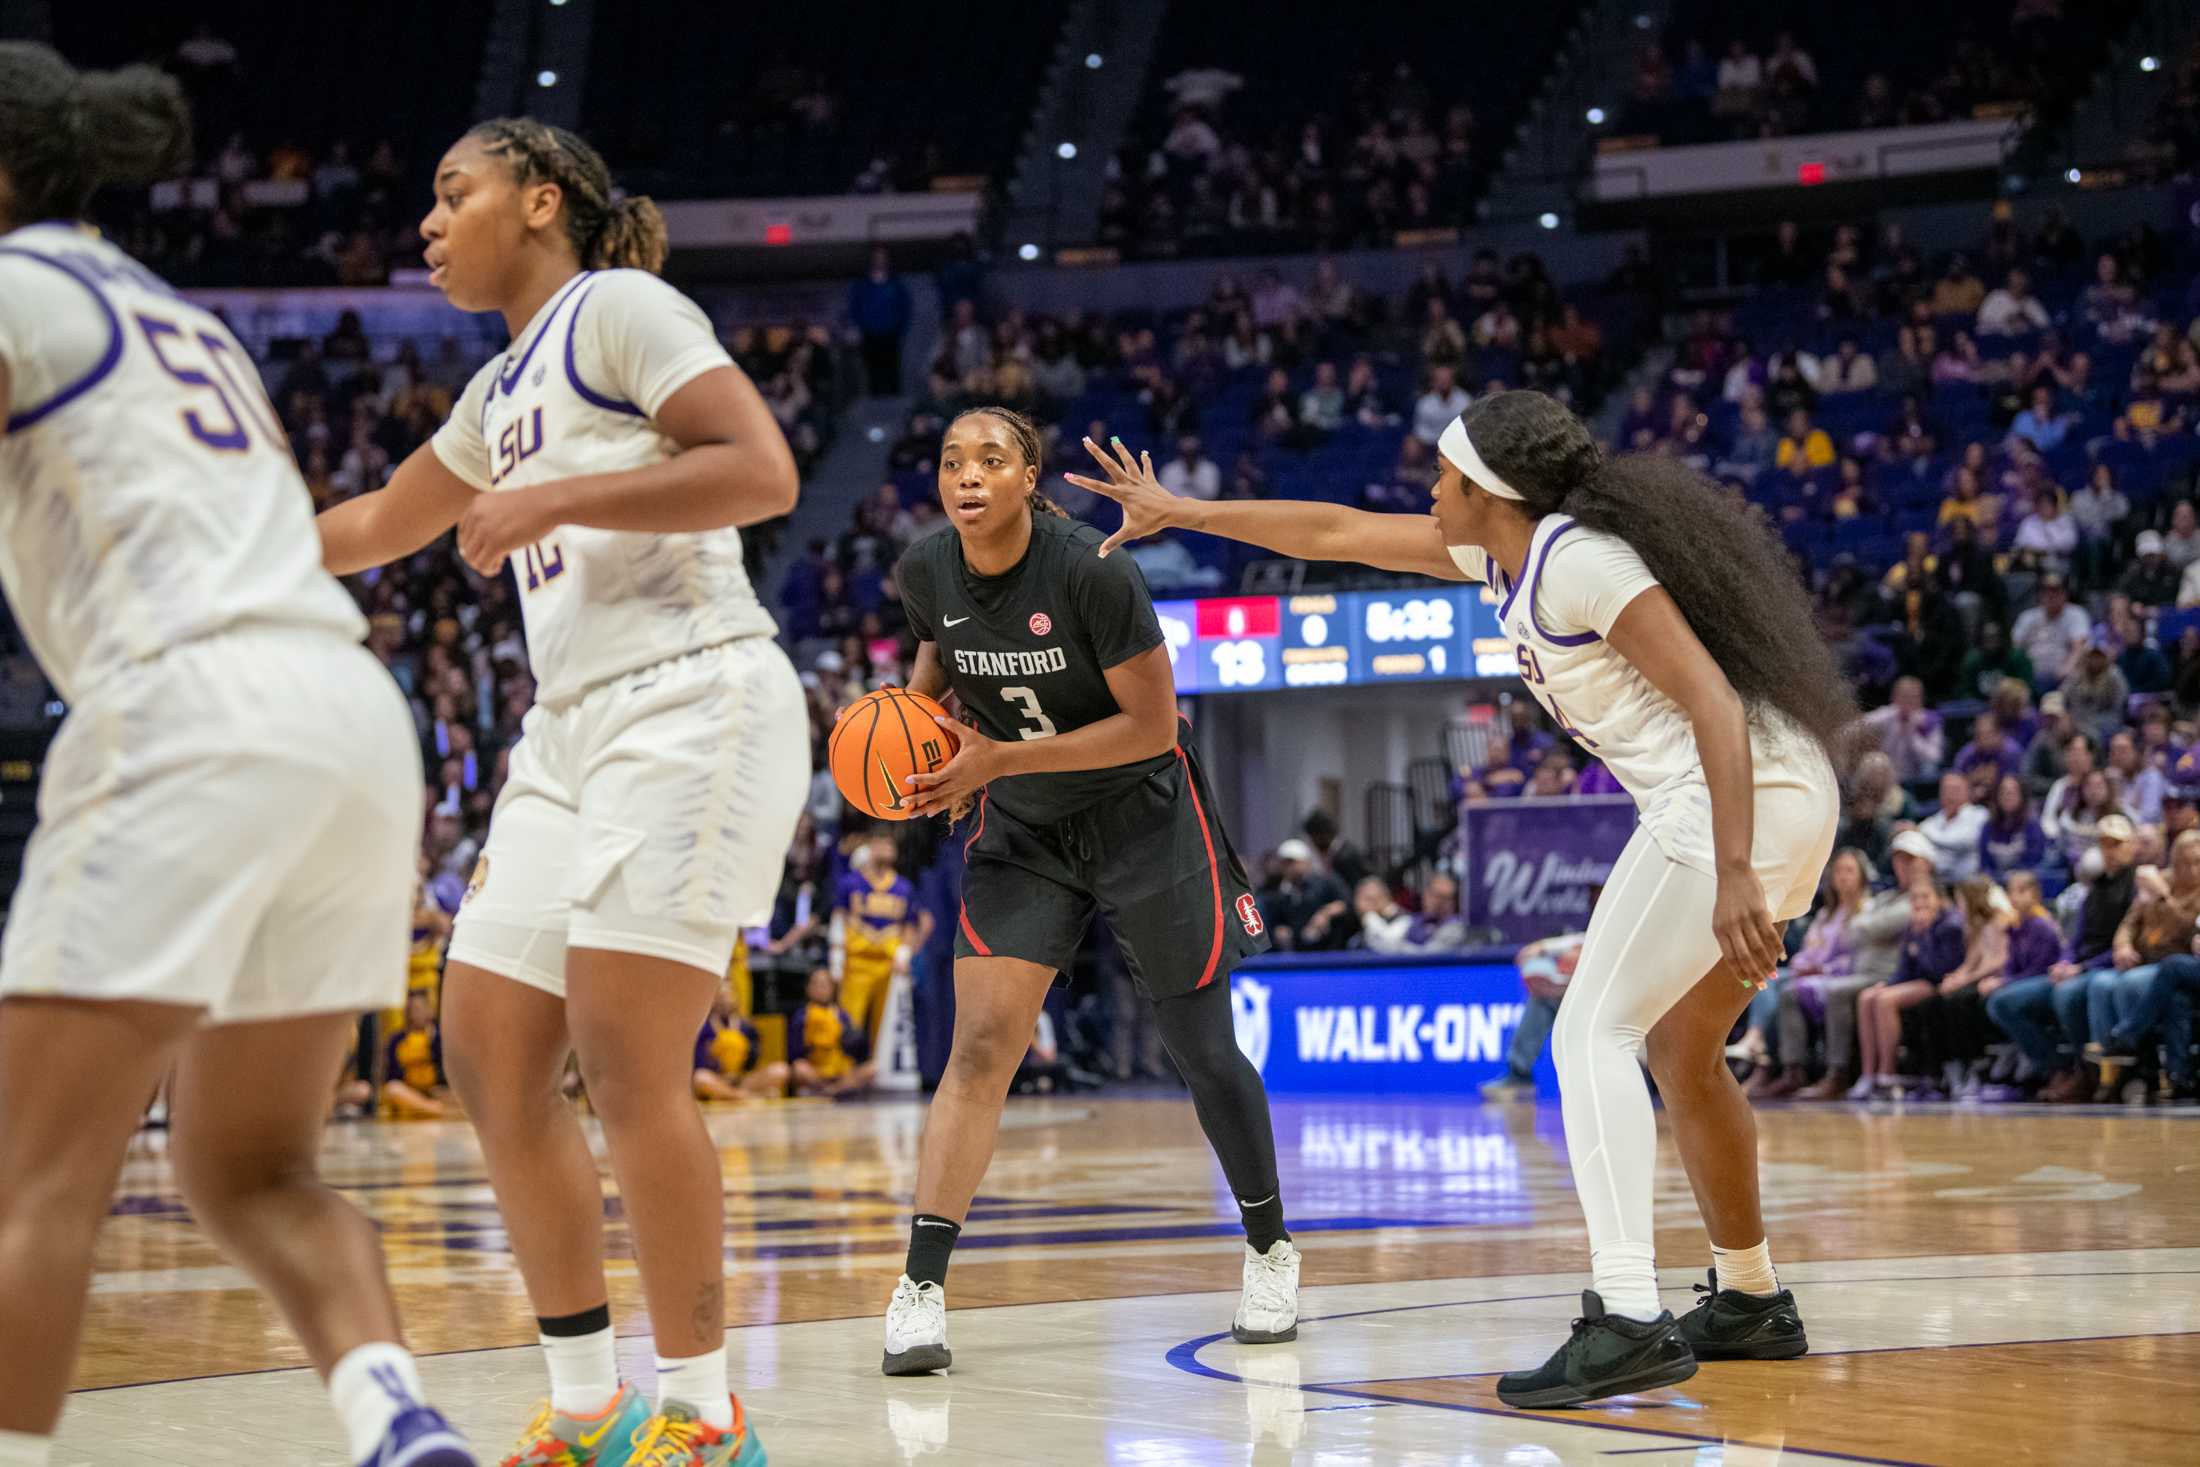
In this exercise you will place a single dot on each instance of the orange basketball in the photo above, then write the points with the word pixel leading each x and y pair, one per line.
pixel 881 740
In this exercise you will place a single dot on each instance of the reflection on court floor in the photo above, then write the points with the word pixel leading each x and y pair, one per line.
pixel 1996 1286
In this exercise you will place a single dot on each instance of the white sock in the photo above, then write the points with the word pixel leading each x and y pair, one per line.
pixel 20 1449
pixel 699 1383
pixel 369 1387
pixel 1748 1270
pixel 1626 1279
pixel 584 1372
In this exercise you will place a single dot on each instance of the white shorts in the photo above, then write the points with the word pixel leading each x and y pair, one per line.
pixel 650 815
pixel 233 825
pixel 1798 809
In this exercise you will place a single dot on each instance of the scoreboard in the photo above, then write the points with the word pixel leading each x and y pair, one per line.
pixel 1244 644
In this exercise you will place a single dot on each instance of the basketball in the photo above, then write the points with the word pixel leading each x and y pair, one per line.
pixel 883 739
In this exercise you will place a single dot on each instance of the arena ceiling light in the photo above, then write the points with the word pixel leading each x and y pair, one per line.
pixel 1065 150
pixel 1027 251
pixel 1092 61
pixel 2150 63
pixel 1547 219
pixel 546 78
pixel 1596 117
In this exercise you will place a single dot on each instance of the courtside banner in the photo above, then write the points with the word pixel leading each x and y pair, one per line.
pixel 1324 1024
pixel 1530 863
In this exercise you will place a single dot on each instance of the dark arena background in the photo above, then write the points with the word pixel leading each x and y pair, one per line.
pixel 1920 282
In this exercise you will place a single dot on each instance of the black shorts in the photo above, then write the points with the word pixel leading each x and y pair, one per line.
pixel 1155 862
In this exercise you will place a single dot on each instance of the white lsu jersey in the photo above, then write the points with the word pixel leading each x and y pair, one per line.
pixel 148 496
pixel 1574 585
pixel 574 394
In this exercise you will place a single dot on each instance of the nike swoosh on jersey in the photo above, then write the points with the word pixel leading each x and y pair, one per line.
pixel 953 621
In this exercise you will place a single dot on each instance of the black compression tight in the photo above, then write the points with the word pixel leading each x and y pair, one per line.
pixel 1226 1089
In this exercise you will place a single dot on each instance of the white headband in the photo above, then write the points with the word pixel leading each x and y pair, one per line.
pixel 1457 447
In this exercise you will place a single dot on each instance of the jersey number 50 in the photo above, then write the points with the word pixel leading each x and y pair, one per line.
pixel 231 433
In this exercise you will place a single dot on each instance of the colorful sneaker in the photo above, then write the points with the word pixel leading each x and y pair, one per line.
pixel 420 1437
pixel 1268 1306
pixel 676 1437
pixel 556 1439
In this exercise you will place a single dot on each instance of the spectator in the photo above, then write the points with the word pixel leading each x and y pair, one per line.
pixel 2182 543
pixel 1303 905
pixel 2159 925
pixel 1867 810
pixel 2040 425
pixel 2137 658
pixel 1959 292
pixel 1967 501
pixel 2151 580
pixel 1954 830
pixel 1341 858
pixel 1987 664
pixel 1951 1022
pixel 2012 840
pixel 1755 447
pixel 1275 413
pixel 1443 401
pixel 878 307
pixel 1386 928
pixel 1877 934
pixel 1322 406
pixel 2047 534
pixel 1848 370
pixel 2033 1010
pixel 1909 733
pixel 2043 757
pixel 2095 691
pixel 1828 952
pixel 1989 755
pixel 1443 342
pixel 2012 310
pixel 1545 967
pixel 415 1088
pixel 1741 77
pixel 1804 441
pixel 827 1050
pixel 2141 784
pixel 1191 473
pixel 1935 947
pixel 2052 632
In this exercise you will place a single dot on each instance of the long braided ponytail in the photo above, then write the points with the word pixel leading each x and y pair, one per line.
pixel 608 232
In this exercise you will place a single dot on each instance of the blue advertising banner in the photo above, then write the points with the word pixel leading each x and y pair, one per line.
pixel 1530 863
pixel 1402 1026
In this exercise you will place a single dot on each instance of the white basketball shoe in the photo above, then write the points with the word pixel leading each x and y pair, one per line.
pixel 916 1328
pixel 1268 1310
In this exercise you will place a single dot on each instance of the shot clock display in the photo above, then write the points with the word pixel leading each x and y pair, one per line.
pixel 1243 644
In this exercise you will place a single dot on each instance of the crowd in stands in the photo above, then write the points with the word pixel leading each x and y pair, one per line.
pixel 1720 72
pixel 1396 155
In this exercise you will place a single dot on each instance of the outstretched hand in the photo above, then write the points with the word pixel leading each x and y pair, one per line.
pixel 1148 508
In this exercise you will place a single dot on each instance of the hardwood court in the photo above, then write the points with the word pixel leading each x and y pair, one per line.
pixel 2003 1286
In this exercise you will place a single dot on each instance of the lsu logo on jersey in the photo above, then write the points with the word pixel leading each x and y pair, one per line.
pixel 475 882
pixel 512 447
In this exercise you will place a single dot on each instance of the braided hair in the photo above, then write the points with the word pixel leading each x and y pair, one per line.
pixel 608 232
pixel 1028 442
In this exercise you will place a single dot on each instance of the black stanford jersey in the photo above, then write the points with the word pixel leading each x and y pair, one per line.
pixel 1027 651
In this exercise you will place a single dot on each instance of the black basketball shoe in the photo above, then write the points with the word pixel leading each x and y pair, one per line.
pixel 1607 1355
pixel 1727 1324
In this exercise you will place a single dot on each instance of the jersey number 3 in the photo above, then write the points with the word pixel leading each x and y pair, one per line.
pixel 1039 726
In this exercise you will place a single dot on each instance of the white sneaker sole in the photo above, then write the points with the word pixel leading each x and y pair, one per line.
pixel 1246 1336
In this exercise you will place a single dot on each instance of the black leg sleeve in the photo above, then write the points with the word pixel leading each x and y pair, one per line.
pixel 1231 1101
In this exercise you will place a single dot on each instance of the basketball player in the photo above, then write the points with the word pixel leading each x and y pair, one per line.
pixel 221 877
pixel 1084 799
pixel 609 454
pixel 878 931
pixel 1664 629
